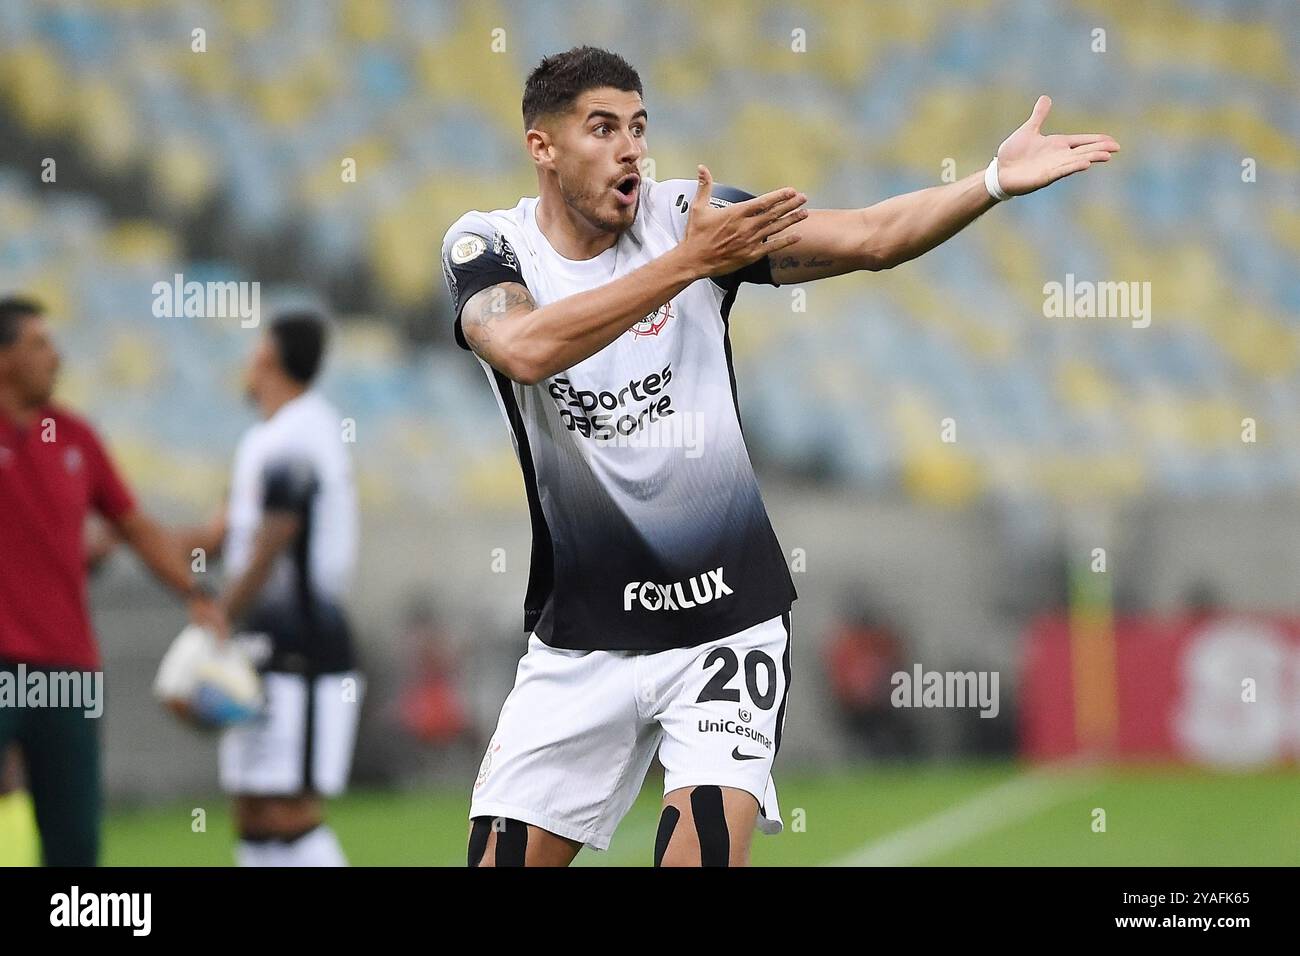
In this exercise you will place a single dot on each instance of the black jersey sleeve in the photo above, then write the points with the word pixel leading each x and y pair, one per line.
pixel 475 255
pixel 683 194
pixel 289 485
pixel 758 272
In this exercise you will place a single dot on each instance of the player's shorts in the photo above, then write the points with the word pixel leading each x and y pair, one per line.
pixel 302 742
pixel 579 730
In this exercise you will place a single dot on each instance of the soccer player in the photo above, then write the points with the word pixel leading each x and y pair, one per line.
pixel 658 600
pixel 289 539
pixel 53 473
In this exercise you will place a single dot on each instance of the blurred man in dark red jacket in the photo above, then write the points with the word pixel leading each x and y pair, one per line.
pixel 53 473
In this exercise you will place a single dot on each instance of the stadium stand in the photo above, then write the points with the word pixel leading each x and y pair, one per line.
pixel 236 153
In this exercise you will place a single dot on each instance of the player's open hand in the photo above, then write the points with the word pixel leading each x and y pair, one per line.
pixel 723 240
pixel 1028 160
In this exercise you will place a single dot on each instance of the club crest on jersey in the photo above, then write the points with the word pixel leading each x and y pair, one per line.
pixel 486 766
pixel 655 321
pixel 673 597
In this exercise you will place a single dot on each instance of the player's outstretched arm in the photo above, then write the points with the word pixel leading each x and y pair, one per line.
pixel 836 241
pixel 209 538
pixel 528 344
pixel 157 548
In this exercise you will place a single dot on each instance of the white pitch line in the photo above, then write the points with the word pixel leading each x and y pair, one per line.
pixel 1011 801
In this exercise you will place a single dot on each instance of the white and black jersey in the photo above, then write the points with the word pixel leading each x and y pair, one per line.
pixel 297 462
pixel 648 528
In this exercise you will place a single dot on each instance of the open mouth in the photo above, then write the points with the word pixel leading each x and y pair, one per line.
pixel 626 188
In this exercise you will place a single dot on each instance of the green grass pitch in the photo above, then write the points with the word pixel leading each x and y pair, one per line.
pixel 989 814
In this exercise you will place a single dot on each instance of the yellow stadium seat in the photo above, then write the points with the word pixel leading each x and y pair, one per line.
pixel 212 74
pixel 1085 477
pixel 769 148
pixel 1258 342
pixel 367 20
pixel 492 482
pixel 143 241
pixel 1285 225
pixel 941 475
pixel 106 124
pixel 131 362
pixel 370 342
pixel 1082 386
pixel 933 471
pixel 282 101
pixel 37 86
pixel 183 171
pixel 246 18
pixel 1155 34
pixel 326 181
pixel 463 67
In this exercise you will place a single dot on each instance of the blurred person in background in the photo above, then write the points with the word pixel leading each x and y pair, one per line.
pixel 288 537
pixel 861 655
pixel 430 705
pixel 1202 601
pixel 54 472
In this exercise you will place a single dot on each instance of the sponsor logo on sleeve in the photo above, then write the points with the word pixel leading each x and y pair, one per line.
pixel 502 249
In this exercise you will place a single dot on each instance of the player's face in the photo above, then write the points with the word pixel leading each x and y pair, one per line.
pixel 31 363
pixel 261 365
pixel 599 146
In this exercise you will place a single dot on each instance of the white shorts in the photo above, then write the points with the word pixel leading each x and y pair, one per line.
pixel 578 731
pixel 302 742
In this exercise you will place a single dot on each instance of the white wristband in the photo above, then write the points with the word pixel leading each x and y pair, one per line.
pixel 991 182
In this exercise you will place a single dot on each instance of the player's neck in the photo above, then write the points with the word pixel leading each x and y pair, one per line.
pixel 276 397
pixel 18 411
pixel 568 232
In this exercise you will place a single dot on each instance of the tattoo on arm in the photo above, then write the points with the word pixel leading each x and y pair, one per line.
pixel 812 262
pixel 787 269
pixel 487 307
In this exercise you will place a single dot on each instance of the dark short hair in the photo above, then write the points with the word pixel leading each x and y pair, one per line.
pixel 13 309
pixel 299 339
pixel 561 78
